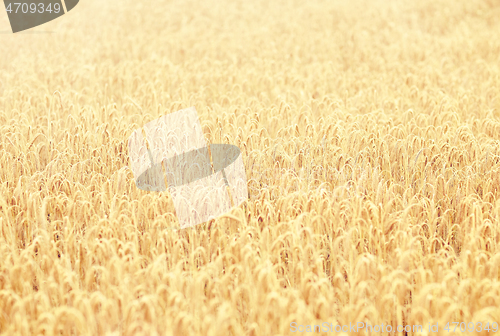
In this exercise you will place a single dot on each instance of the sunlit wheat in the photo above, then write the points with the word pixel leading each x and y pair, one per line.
pixel 370 136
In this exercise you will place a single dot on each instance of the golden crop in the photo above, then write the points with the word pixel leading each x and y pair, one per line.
pixel 370 132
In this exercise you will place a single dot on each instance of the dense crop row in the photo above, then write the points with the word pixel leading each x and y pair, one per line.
pixel 370 136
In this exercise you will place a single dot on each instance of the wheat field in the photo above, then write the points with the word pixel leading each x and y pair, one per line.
pixel 370 133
